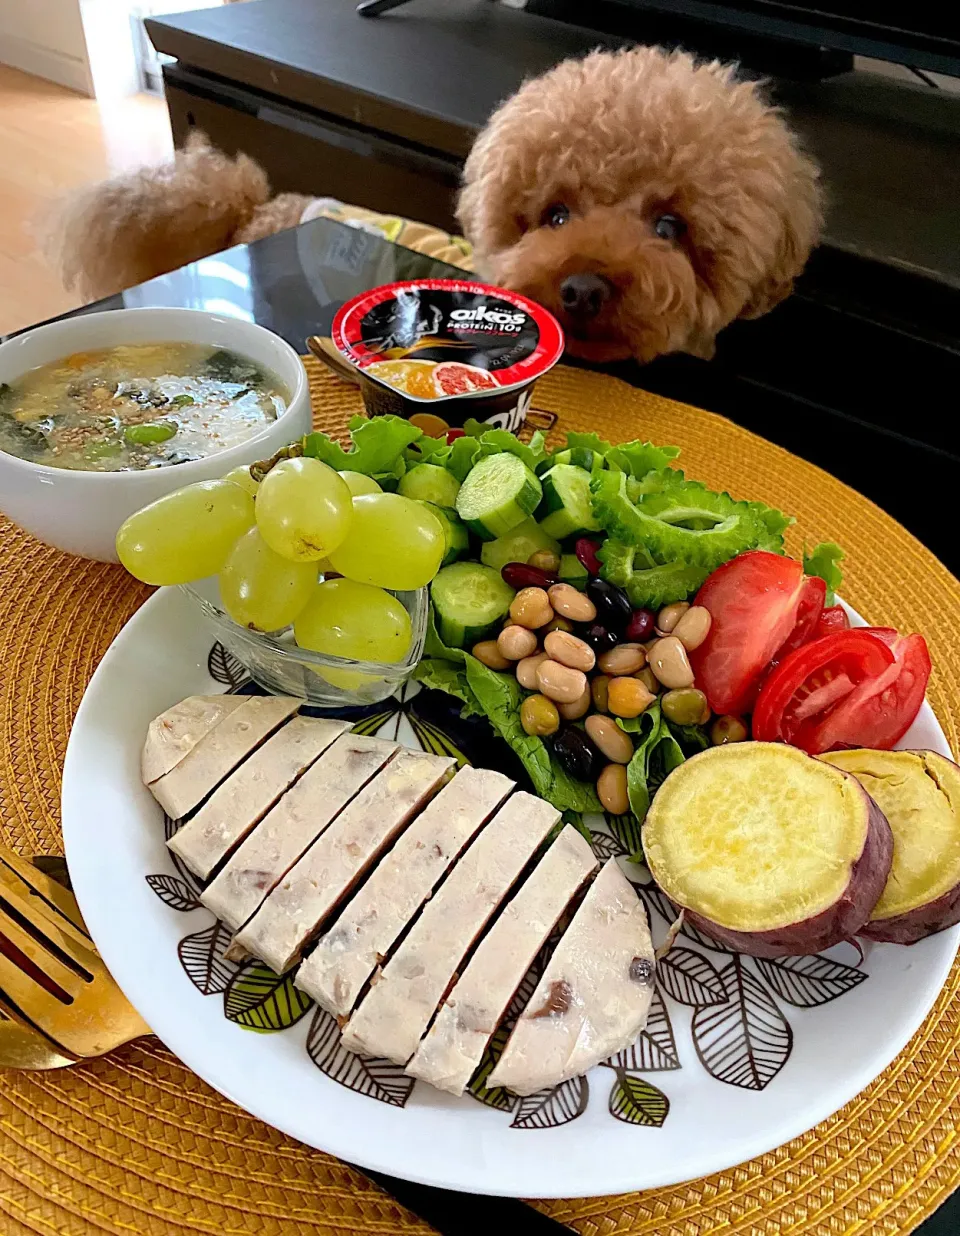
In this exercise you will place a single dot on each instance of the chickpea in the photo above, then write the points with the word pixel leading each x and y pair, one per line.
pixel 628 697
pixel 568 650
pixel 610 738
pixel 578 709
pixel 557 624
pixel 560 682
pixel 624 659
pixel 693 627
pixel 670 663
pixel 539 716
pixel 515 643
pixel 612 789
pixel 545 560
pixel 728 729
pixel 685 706
pixel 649 680
pixel 490 655
pixel 576 606
pixel 531 608
pixel 527 670
pixel 670 615
pixel 599 690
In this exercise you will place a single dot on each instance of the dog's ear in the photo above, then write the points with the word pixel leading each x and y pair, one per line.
pixel 800 221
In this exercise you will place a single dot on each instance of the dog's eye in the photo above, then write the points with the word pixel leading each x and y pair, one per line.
pixel 669 227
pixel 556 215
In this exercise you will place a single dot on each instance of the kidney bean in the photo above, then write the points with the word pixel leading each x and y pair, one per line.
pixel 599 638
pixel 640 627
pixel 613 608
pixel 521 575
pixel 576 754
pixel 586 551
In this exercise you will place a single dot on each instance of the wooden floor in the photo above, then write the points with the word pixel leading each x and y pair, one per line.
pixel 51 141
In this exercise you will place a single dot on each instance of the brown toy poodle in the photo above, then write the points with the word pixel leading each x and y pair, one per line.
pixel 646 199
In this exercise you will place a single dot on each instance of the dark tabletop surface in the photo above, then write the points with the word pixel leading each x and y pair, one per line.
pixel 293 284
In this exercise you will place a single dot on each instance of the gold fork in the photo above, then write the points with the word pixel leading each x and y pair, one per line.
pixel 52 982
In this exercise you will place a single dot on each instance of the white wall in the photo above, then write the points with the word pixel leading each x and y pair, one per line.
pixel 46 38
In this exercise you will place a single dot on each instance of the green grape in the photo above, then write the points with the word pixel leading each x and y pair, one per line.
pixel 185 535
pixel 347 619
pixel 304 509
pixel 393 542
pixel 241 476
pixel 359 483
pixel 261 590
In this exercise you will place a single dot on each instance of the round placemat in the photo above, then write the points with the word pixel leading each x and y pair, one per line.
pixel 135 1143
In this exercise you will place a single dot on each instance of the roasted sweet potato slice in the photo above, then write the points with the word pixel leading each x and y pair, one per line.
pixel 765 852
pixel 919 793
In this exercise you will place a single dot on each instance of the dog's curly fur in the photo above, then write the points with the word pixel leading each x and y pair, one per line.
pixel 619 138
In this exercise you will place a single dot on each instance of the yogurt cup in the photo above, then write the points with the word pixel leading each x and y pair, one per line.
pixel 442 351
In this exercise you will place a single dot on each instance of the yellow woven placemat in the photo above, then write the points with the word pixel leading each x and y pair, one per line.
pixel 135 1143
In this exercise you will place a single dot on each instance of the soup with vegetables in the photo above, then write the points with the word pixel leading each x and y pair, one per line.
pixel 137 406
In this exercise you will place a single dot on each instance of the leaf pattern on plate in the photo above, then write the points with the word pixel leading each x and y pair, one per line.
pixel 260 1000
pixel 202 956
pixel 173 892
pixel 549 1109
pixel 191 881
pixel 434 740
pixel 497 1096
pixel 657 901
pixel 627 831
pixel 690 978
pixel 809 981
pixel 606 846
pixel 377 1079
pixel 745 1041
pixel 369 725
pixel 634 1100
pixel 225 668
pixel 655 1050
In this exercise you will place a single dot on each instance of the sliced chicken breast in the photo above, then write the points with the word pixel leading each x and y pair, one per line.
pixel 285 832
pixel 173 735
pixel 335 972
pixel 220 751
pixel 244 798
pixel 594 996
pixel 295 911
pixel 393 1016
pixel 450 1053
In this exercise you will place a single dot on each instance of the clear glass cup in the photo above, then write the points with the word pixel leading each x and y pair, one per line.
pixel 279 665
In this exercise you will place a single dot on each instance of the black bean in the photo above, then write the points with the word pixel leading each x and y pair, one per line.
pixel 577 754
pixel 599 637
pixel 613 607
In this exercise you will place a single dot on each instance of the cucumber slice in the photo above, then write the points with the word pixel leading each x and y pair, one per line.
pixel 456 538
pixel 430 483
pixel 572 571
pixel 566 501
pixel 578 456
pixel 517 546
pixel 499 493
pixel 470 601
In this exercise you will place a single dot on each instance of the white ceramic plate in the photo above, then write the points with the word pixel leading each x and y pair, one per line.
pixel 698 1094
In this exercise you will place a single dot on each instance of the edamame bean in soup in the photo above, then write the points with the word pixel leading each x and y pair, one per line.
pixel 137 406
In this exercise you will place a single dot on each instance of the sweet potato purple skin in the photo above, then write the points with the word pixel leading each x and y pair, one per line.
pixel 841 921
pixel 917 924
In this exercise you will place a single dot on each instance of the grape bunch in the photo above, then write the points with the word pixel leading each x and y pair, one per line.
pixel 306 547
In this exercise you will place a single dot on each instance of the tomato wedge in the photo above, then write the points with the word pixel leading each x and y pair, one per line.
pixel 854 688
pixel 833 618
pixel 753 600
pixel 809 615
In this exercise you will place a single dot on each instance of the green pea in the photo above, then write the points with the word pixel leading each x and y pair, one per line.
pixel 104 449
pixel 148 435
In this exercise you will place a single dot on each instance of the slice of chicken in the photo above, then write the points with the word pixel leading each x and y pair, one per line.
pixel 219 752
pixel 366 930
pixel 250 791
pixel 451 1050
pixel 594 996
pixel 393 1016
pixel 264 858
pixel 173 735
pixel 296 910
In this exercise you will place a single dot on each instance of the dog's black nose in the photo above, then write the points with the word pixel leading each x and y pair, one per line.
pixel 583 296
